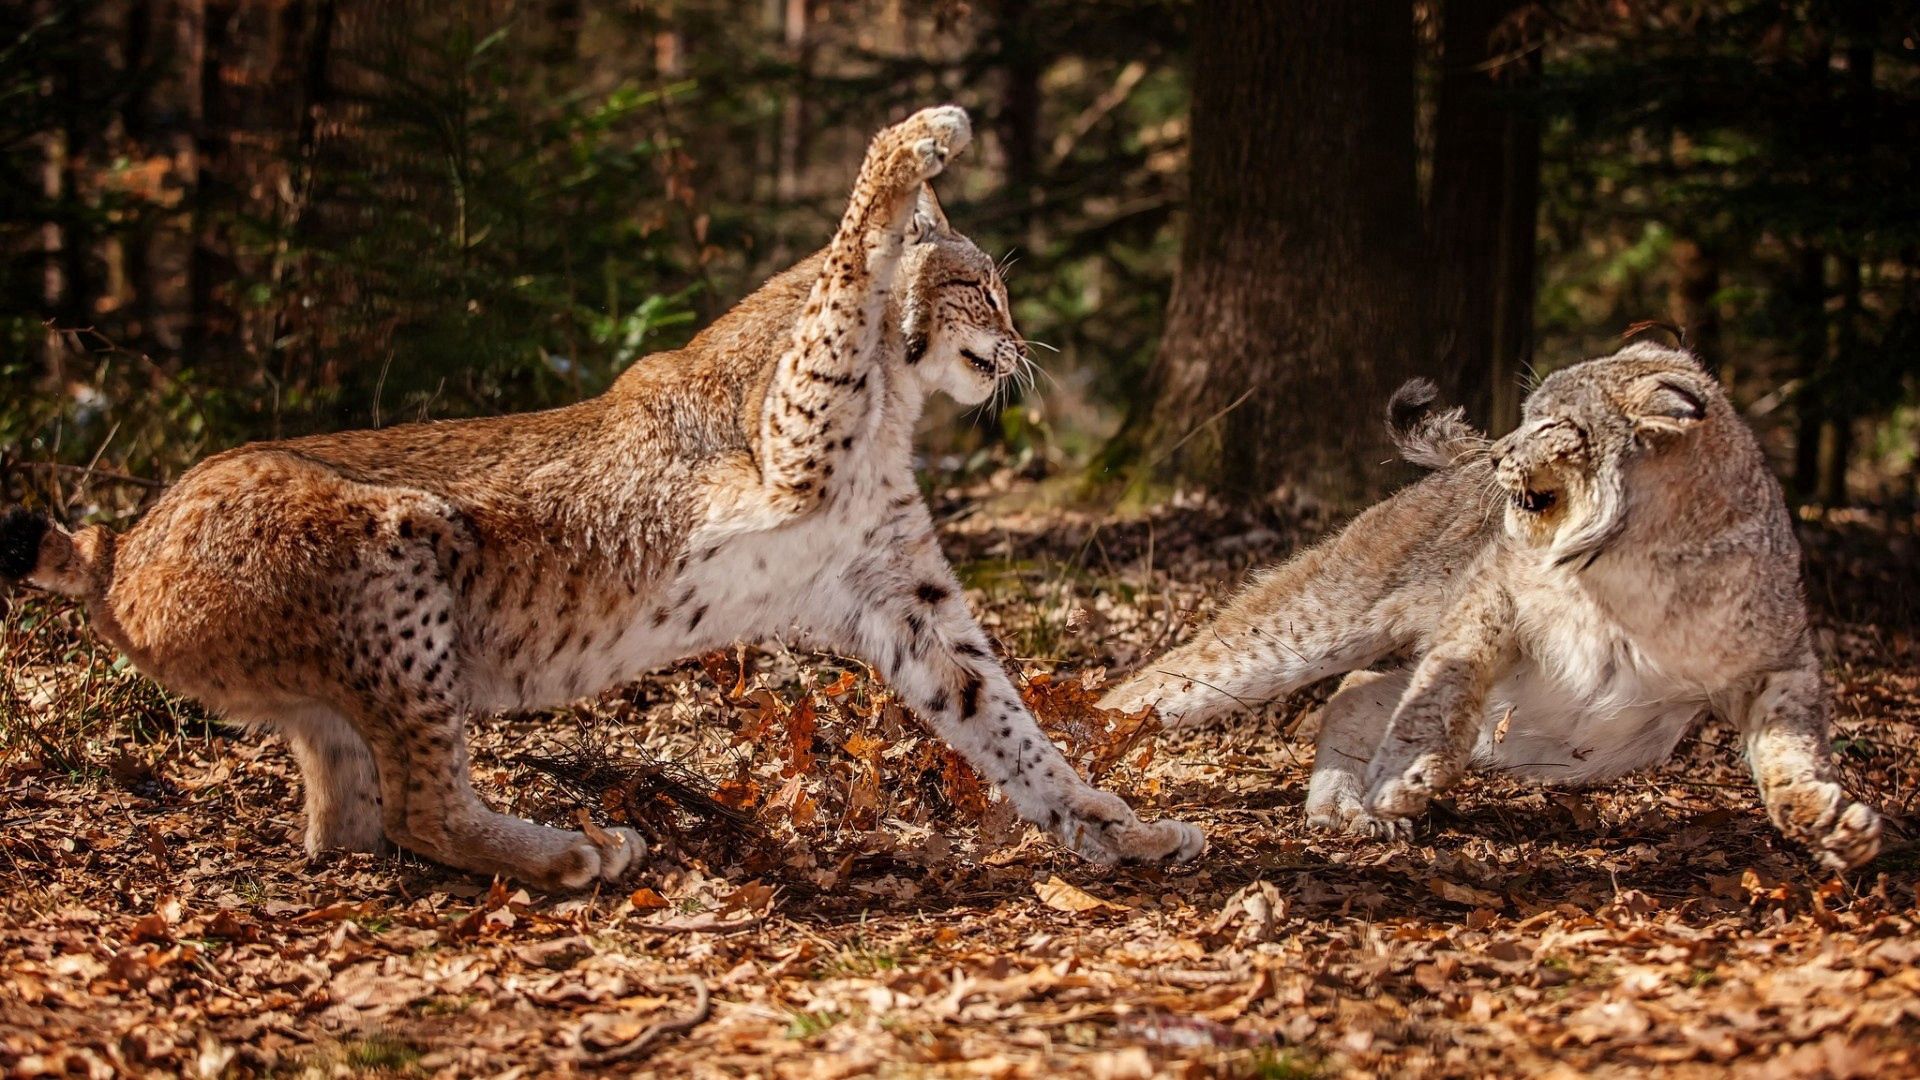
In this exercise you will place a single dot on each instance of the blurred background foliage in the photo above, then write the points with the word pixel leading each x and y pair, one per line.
pixel 234 219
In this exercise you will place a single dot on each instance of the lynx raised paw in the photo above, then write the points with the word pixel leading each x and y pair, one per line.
pixel 1101 828
pixel 925 142
pixel 599 855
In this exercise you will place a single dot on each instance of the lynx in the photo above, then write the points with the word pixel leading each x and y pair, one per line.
pixel 364 593
pixel 1560 605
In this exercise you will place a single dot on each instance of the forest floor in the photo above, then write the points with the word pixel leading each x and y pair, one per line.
pixel 847 901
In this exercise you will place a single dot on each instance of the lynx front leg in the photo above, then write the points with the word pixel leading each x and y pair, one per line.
pixel 824 395
pixel 903 610
pixel 1430 738
pixel 1785 726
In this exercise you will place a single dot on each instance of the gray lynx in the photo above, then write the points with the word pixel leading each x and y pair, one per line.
pixel 364 593
pixel 1560 605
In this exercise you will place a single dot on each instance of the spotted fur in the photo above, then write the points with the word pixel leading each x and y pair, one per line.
pixel 1559 605
pixel 364 593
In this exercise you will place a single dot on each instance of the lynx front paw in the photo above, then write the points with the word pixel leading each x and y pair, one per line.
pixel 1854 839
pixel 927 140
pixel 1842 833
pixel 601 855
pixel 348 825
pixel 1398 790
pixel 1346 814
pixel 342 837
pixel 1101 828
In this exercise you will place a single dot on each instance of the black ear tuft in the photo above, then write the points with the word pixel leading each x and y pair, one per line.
pixel 1676 331
pixel 20 534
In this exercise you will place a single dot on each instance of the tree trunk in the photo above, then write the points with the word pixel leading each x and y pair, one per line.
pixel 1483 210
pixel 1690 303
pixel 136 124
pixel 796 128
pixel 1020 111
pixel 207 118
pixel 1810 351
pixel 1291 319
pixel 1838 452
pixel 1844 403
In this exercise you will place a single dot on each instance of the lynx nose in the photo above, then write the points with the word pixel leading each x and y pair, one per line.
pixel 1498 452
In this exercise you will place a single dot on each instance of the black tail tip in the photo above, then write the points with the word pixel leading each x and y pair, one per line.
pixel 20 534
pixel 1411 402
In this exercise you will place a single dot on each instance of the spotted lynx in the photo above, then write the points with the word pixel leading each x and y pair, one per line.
pixel 1560 605
pixel 364 593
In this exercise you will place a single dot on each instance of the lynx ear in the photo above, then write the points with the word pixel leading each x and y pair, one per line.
pixel 929 221
pixel 1666 407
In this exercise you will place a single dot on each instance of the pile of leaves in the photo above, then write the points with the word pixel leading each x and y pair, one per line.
pixel 832 892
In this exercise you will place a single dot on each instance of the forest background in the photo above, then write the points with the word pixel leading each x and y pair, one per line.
pixel 1239 223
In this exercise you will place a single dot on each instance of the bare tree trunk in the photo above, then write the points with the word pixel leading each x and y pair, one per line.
pixel 78 144
pixel 1291 319
pixel 796 120
pixel 210 32
pixel 311 37
pixel 136 125
pixel 1810 349
pixel 1838 449
pixel 1019 127
pixel 1690 303
pixel 1843 406
pixel 1484 206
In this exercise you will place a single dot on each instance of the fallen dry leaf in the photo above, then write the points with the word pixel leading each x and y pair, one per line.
pixel 1061 896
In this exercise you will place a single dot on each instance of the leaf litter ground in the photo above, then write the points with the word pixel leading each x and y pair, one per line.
pixel 831 893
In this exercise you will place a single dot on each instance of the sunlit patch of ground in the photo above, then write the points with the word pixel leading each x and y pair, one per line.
pixel 875 913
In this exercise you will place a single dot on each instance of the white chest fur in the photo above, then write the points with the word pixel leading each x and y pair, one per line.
pixel 1608 679
pixel 730 584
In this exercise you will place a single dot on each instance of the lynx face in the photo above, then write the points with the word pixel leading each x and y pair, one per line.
pixel 1594 436
pixel 959 326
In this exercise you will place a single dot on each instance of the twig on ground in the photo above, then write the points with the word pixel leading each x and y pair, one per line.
pixel 680 1025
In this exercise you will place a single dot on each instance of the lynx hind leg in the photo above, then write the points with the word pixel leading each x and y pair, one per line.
pixel 903 609
pixel 1352 724
pixel 412 714
pixel 1285 632
pixel 428 806
pixel 342 787
pixel 1785 726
